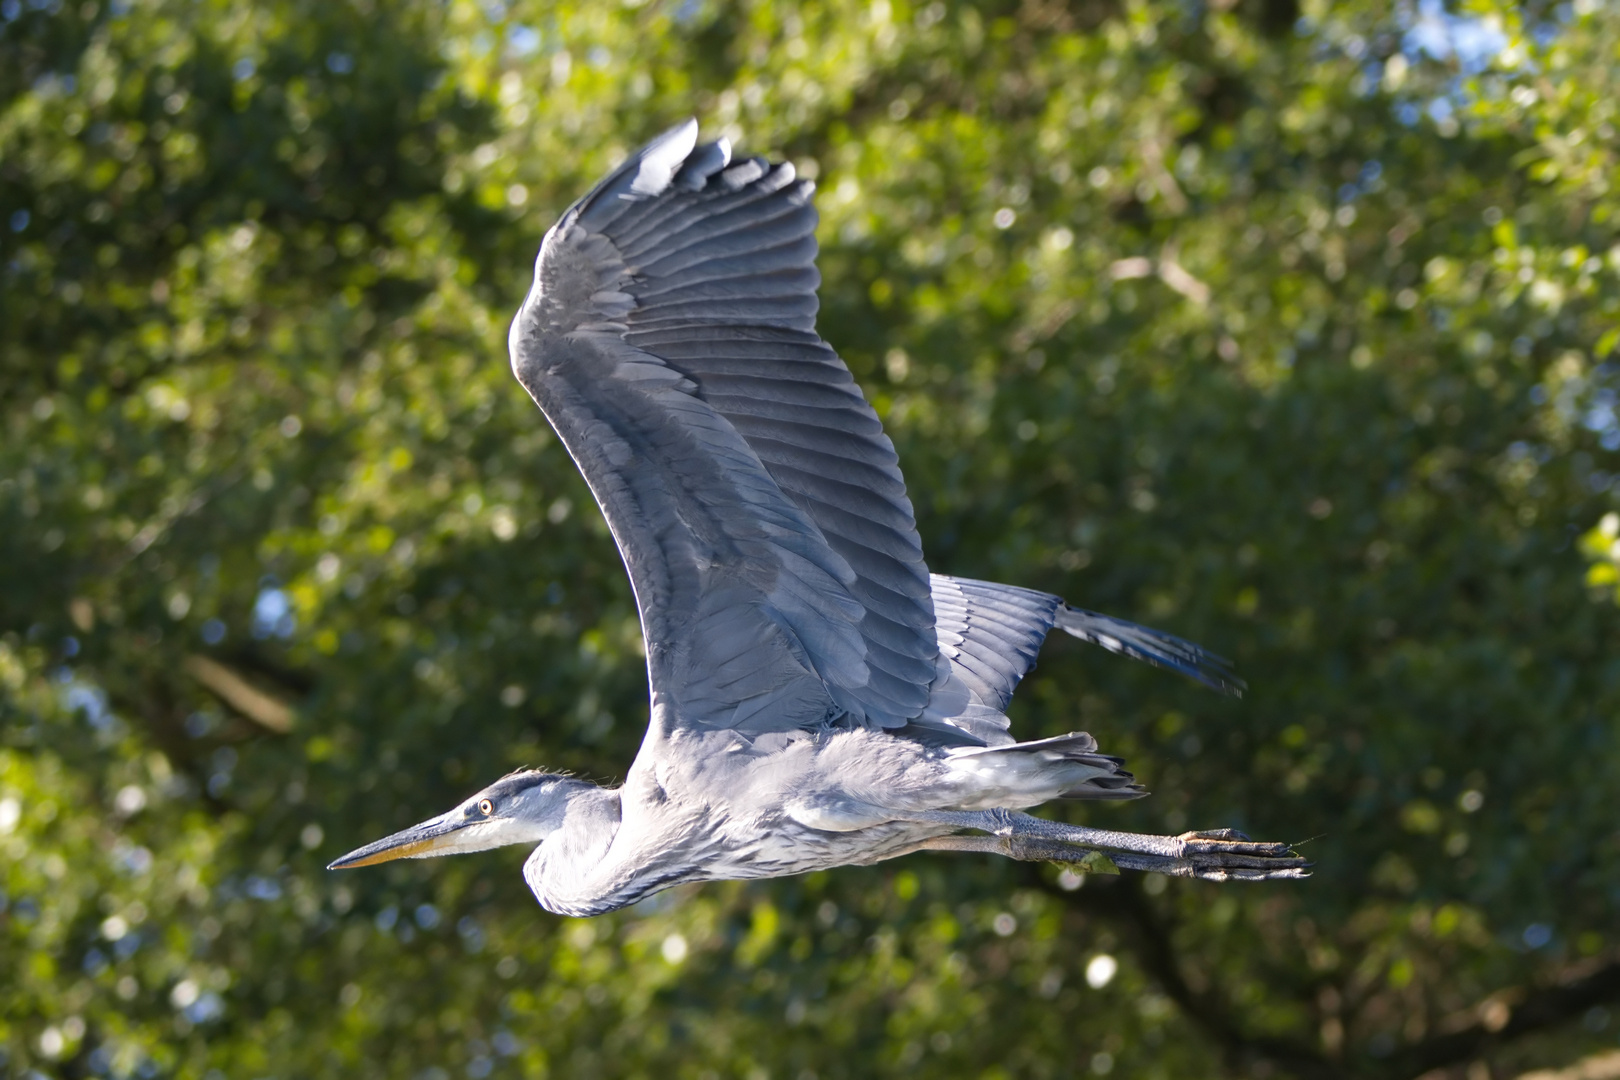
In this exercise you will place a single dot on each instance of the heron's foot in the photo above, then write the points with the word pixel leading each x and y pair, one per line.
pixel 1216 855
pixel 1205 855
pixel 1225 855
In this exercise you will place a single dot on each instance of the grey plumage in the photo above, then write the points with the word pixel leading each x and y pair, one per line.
pixel 818 698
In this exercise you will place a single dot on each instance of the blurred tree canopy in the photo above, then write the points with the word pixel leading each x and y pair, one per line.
pixel 1284 325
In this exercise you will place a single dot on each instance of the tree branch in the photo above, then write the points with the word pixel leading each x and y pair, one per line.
pixel 264 709
pixel 1507 1015
pixel 1122 902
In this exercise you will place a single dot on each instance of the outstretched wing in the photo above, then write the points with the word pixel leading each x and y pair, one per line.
pixel 670 339
pixel 989 635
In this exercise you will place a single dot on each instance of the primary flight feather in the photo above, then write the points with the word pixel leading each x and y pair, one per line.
pixel 818 697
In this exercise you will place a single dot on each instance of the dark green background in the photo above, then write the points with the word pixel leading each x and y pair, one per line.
pixel 1284 328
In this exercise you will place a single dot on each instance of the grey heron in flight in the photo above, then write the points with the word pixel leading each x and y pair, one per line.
pixel 818 698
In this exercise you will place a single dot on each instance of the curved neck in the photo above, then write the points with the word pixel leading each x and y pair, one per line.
pixel 560 868
pixel 614 847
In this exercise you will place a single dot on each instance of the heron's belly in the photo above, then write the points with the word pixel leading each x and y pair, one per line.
pixel 793 849
pixel 779 852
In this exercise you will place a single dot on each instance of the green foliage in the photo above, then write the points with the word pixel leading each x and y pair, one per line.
pixel 1284 328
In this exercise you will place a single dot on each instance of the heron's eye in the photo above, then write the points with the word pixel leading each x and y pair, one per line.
pixel 486 807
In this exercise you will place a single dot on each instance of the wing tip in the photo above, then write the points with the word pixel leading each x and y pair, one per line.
pixel 1154 647
pixel 659 161
pixel 683 132
pixel 644 174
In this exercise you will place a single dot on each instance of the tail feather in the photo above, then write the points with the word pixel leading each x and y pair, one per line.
pixel 1061 767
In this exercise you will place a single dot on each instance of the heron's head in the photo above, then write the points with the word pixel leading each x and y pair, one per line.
pixel 521 808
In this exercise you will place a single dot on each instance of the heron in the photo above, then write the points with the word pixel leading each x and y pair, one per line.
pixel 818 698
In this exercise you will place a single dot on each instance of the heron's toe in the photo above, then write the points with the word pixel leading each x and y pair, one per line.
pixel 1228 842
pixel 1248 874
pixel 1228 855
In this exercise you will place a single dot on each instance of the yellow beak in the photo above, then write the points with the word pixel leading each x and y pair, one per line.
pixel 436 836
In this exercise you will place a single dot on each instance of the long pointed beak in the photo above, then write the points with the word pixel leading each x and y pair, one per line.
pixel 436 836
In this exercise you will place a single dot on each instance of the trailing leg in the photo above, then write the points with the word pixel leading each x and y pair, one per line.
pixel 1217 855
